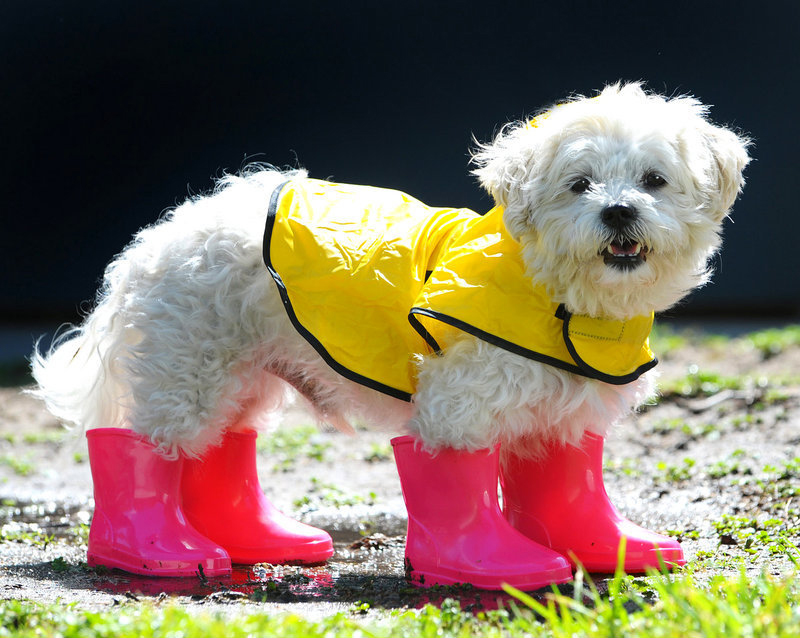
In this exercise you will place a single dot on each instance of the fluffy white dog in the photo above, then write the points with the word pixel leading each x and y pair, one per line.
pixel 613 204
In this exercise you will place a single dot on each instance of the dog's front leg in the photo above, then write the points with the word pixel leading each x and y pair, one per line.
pixel 468 396
pixel 449 474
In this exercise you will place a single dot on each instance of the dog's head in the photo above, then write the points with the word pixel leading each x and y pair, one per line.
pixel 617 200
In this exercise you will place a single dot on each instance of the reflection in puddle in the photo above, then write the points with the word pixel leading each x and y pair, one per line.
pixel 369 570
pixel 350 577
pixel 245 580
pixel 59 520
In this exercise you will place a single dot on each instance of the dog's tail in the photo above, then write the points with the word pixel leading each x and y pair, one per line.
pixel 75 377
pixel 88 376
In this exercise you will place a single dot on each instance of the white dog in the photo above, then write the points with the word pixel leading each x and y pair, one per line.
pixel 607 210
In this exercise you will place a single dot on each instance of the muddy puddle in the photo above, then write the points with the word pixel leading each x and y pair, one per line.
pixel 43 525
pixel 353 580
pixel 365 569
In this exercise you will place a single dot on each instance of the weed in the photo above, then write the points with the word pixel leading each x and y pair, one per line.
pixel 729 467
pixel 627 467
pixel 666 426
pixel 47 436
pixel 775 395
pixel 752 536
pixel 359 608
pixel 727 607
pixel 774 341
pixel 80 533
pixel 20 466
pixel 288 445
pixel 665 340
pixel 658 605
pixel 744 421
pixel 690 534
pixel 703 383
pixel 675 473
pixel 328 495
pixel 692 430
pixel 28 534
pixel 781 482
pixel 378 452
pixel 59 565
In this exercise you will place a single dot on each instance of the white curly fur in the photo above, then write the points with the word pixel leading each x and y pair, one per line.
pixel 189 336
pixel 614 140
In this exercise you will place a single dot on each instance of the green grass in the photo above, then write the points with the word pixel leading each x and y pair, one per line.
pixel 28 534
pixel 654 607
pixel 20 466
pixel 773 536
pixel 322 494
pixel 287 445
pixel 626 467
pixel 46 437
pixel 692 430
pixel 59 564
pixel 771 342
pixel 664 339
pixel 780 486
pixel 675 473
pixel 703 383
pixel 774 341
pixel 379 452
pixel 728 467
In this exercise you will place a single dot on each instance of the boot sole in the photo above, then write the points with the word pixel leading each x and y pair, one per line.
pixel 149 567
pixel 483 581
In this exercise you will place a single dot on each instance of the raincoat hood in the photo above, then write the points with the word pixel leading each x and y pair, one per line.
pixel 373 279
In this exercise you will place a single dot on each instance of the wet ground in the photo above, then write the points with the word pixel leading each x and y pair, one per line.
pixel 715 463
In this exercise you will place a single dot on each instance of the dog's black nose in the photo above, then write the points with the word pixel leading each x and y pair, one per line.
pixel 617 216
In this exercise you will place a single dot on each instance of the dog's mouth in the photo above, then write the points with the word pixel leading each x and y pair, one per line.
pixel 625 254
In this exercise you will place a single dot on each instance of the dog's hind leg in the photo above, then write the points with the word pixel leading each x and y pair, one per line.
pixel 138 524
pixel 223 500
pixel 560 501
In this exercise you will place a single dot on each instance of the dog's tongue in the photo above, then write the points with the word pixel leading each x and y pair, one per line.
pixel 622 250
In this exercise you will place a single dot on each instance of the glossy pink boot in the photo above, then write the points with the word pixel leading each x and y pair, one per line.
pixel 456 531
pixel 222 498
pixel 561 502
pixel 138 525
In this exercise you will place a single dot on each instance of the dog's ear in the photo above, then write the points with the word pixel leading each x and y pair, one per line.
pixel 729 152
pixel 504 166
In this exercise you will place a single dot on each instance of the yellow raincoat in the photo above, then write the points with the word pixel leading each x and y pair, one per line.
pixel 372 277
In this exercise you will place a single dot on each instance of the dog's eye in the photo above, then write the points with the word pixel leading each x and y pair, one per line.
pixel 581 186
pixel 654 180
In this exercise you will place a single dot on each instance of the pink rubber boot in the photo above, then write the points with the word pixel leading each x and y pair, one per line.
pixel 138 525
pixel 222 498
pixel 561 502
pixel 456 531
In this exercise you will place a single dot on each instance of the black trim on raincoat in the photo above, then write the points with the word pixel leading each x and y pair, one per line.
pixel 582 368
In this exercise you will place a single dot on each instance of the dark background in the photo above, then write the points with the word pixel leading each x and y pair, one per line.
pixel 113 112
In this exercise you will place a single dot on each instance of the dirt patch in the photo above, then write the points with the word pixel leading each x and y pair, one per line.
pixel 714 462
